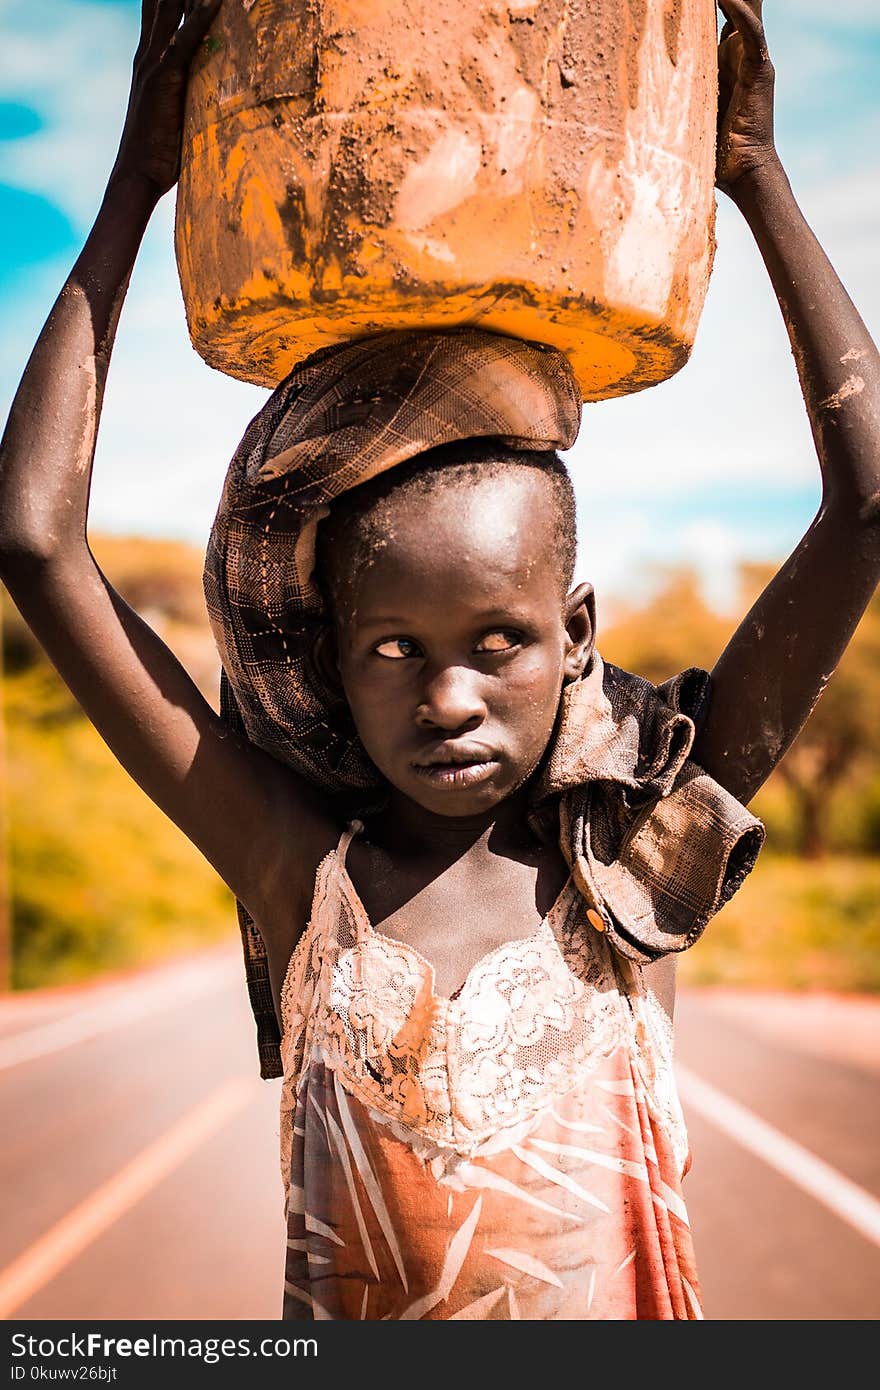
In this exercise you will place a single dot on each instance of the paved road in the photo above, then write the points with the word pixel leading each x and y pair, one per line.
pixel 132 1191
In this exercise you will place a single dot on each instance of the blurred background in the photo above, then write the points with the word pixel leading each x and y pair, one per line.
pixel 689 496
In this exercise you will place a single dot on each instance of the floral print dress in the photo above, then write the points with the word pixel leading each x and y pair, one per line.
pixel 515 1151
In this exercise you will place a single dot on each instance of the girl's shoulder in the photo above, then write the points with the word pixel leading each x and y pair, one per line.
pixel 306 831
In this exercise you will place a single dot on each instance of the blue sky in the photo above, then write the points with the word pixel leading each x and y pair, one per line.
pixel 711 468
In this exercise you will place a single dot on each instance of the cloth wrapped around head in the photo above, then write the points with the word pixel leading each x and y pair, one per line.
pixel 343 416
pixel 655 845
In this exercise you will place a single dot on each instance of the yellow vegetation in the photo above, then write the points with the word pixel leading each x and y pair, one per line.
pixel 101 879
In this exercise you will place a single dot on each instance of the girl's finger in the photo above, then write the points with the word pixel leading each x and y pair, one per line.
pixel 168 16
pixel 755 6
pixel 193 29
pixel 148 19
pixel 745 17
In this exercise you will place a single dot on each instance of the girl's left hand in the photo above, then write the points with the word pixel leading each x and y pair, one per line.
pixel 745 95
pixel 171 32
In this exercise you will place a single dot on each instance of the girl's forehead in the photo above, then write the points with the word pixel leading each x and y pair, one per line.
pixel 474 559
pixel 512 512
pixel 482 543
pixel 499 530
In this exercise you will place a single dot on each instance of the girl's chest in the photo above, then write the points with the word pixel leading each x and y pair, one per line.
pixel 456 919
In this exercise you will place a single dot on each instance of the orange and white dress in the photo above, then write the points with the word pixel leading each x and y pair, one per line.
pixel 514 1152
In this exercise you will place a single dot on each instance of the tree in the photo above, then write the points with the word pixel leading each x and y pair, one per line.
pixel 840 743
pixel 842 736
pixel 675 629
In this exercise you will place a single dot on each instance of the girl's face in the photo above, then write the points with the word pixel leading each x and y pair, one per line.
pixel 453 643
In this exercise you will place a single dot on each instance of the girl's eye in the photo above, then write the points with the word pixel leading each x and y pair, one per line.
pixel 397 648
pixel 500 641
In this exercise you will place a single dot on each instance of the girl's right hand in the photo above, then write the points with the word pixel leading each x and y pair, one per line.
pixel 150 145
pixel 745 96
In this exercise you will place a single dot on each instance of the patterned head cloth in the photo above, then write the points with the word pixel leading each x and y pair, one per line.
pixel 654 844
pixel 343 416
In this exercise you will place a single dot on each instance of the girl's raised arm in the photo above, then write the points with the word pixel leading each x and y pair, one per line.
pixel 244 810
pixel 779 660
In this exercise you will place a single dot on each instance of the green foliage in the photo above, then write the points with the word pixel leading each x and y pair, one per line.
pixel 161 580
pixel 155 576
pixel 100 878
pixel 675 629
pixel 823 795
pixel 870 817
pixel 795 926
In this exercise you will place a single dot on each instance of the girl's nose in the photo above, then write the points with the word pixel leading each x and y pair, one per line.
pixel 451 701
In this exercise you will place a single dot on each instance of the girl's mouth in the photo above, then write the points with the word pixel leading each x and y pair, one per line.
pixel 457 775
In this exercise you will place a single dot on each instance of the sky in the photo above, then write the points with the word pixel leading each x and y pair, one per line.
pixel 710 469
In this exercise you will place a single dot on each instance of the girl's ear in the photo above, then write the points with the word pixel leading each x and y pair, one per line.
pixel 326 659
pixel 580 624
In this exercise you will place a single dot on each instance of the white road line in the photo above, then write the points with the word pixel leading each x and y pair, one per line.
pixel 52 1252
pixel 129 1004
pixel 860 1209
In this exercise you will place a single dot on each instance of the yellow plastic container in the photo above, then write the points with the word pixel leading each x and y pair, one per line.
pixel 540 169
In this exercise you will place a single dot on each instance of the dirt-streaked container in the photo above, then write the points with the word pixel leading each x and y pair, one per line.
pixel 540 169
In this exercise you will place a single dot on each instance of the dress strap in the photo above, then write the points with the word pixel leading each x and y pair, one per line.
pixel 354 828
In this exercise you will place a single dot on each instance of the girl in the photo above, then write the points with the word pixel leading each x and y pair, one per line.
pixel 479 1117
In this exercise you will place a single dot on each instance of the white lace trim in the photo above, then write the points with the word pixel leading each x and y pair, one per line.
pixel 533 1018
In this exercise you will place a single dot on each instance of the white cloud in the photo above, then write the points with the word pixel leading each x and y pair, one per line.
pixel 170 423
pixel 71 63
pixel 735 412
pixel 626 551
pixel 861 14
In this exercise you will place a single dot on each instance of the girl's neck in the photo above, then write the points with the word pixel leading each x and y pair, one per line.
pixel 408 830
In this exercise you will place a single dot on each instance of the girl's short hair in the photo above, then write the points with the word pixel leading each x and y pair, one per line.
pixel 358 520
